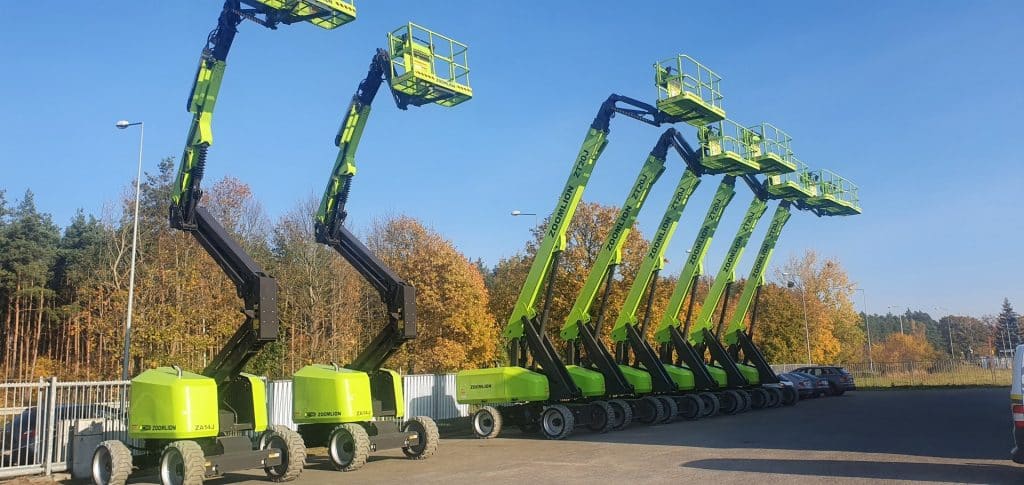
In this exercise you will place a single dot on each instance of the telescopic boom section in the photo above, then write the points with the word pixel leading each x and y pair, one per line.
pixel 695 261
pixel 727 273
pixel 568 200
pixel 737 324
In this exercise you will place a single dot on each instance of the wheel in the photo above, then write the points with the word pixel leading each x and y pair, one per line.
pixel 427 437
pixel 557 422
pixel 834 390
pixel 348 447
pixel 292 449
pixel 653 411
pixel 623 414
pixel 691 406
pixel 487 422
pixel 732 402
pixel 111 463
pixel 601 414
pixel 671 408
pixel 182 463
pixel 746 401
pixel 790 396
pixel 712 405
pixel 774 397
pixel 758 398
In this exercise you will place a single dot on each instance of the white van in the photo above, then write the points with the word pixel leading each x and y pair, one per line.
pixel 1017 406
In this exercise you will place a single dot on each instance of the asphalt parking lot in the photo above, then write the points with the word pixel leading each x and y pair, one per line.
pixel 910 436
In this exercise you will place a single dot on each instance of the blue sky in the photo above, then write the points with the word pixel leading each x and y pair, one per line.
pixel 917 102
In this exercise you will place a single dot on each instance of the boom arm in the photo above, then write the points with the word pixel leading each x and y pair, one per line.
pixel 756 278
pixel 554 237
pixel 727 273
pixel 694 263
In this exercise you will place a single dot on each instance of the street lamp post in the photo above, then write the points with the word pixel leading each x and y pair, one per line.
pixel 126 363
pixel 517 213
pixel 807 331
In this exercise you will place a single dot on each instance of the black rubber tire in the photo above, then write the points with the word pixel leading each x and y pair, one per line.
pixel 712 405
pixel 557 422
pixel 601 414
pixel 790 396
pixel 774 397
pixel 111 463
pixel 428 435
pixel 747 401
pixel 691 407
pixel 293 449
pixel 732 402
pixel 623 414
pixel 758 398
pixel 348 447
pixel 182 463
pixel 671 408
pixel 653 410
pixel 487 422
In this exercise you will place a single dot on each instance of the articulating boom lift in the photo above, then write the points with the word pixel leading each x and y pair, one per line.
pixel 333 405
pixel 540 389
pixel 193 425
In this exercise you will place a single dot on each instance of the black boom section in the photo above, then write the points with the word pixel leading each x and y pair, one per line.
pixel 753 356
pixel 688 355
pixel 397 295
pixel 661 381
pixel 257 290
pixel 721 357
pixel 560 383
pixel 615 384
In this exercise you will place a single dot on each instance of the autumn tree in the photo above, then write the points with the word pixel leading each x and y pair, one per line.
pixel 909 347
pixel 455 329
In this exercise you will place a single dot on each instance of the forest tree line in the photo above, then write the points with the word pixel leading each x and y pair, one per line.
pixel 64 292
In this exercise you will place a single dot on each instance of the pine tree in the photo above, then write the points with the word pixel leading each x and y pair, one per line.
pixel 1007 335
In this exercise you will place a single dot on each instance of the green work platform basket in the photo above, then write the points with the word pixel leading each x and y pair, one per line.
pixel 727 147
pixel 327 14
pixel 796 185
pixel 429 67
pixel 773 150
pixel 836 196
pixel 689 91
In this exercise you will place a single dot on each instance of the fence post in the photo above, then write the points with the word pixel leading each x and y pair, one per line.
pixel 51 427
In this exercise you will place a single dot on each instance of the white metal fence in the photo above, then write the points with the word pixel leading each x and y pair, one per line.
pixel 986 371
pixel 37 418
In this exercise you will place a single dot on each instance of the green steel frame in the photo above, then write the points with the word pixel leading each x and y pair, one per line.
pixel 689 90
pixel 835 195
pixel 428 65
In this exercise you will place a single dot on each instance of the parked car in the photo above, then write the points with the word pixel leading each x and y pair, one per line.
pixel 20 433
pixel 820 383
pixel 805 385
pixel 839 380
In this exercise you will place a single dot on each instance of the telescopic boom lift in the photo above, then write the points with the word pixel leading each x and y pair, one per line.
pixel 583 331
pixel 194 425
pixel 337 406
pixel 536 389
pixel 798 189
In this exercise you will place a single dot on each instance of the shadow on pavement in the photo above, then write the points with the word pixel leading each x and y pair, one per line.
pixel 878 470
pixel 946 423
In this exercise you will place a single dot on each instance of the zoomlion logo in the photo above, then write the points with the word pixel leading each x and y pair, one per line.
pixel 156 427
pixel 479 386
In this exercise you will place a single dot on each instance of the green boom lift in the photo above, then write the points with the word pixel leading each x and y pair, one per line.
pixel 338 407
pixel 763 149
pixel 583 331
pixel 196 425
pixel 803 190
pixel 537 389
